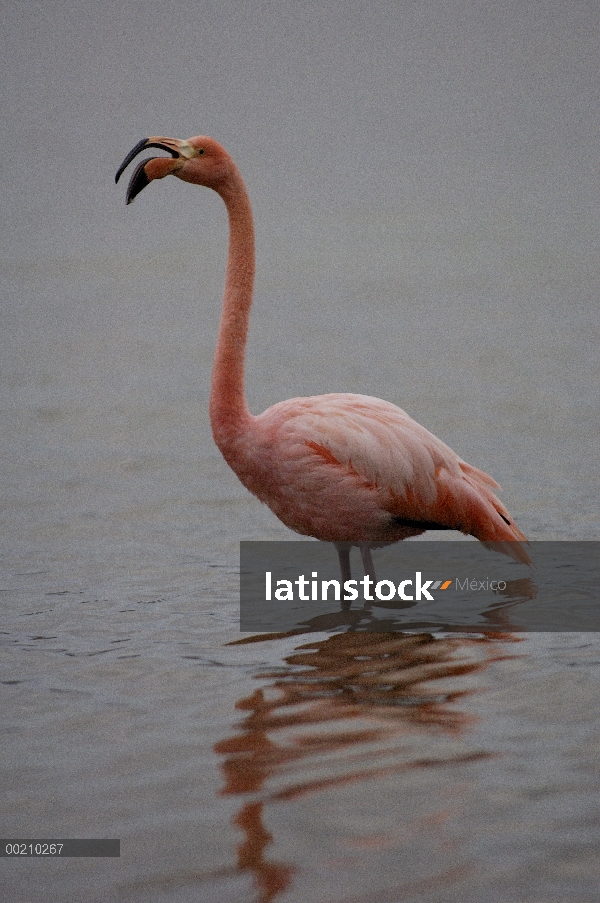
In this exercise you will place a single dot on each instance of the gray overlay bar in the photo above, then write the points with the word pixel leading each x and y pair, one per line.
pixel 58 849
pixel 486 590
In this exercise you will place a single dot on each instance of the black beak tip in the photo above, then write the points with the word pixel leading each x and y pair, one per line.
pixel 145 142
pixel 132 153
pixel 138 182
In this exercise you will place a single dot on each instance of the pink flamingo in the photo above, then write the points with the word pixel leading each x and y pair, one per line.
pixel 348 469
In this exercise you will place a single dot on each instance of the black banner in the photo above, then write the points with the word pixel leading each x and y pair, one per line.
pixel 423 585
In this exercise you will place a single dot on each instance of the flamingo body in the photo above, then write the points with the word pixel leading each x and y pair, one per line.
pixel 344 468
pixel 352 468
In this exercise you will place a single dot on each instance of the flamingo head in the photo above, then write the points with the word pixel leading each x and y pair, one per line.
pixel 200 160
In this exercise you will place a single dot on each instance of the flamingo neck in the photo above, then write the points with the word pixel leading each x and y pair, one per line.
pixel 229 414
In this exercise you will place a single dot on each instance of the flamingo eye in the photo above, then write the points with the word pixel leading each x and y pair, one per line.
pixel 201 151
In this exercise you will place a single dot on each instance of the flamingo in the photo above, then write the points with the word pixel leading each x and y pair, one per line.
pixel 349 469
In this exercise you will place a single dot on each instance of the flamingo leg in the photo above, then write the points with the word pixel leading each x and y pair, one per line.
pixel 343 550
pixel 367 560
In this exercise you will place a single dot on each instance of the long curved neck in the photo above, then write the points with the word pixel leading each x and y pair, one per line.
pixel 229 414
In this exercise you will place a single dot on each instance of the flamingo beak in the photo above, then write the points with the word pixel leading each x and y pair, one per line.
pixel 145 173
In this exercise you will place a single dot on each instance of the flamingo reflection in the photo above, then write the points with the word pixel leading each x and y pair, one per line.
pixel 348 708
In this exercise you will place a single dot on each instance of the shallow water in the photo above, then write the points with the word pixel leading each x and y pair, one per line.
pixel 441 252
pixel 327 767
pixel 343 767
